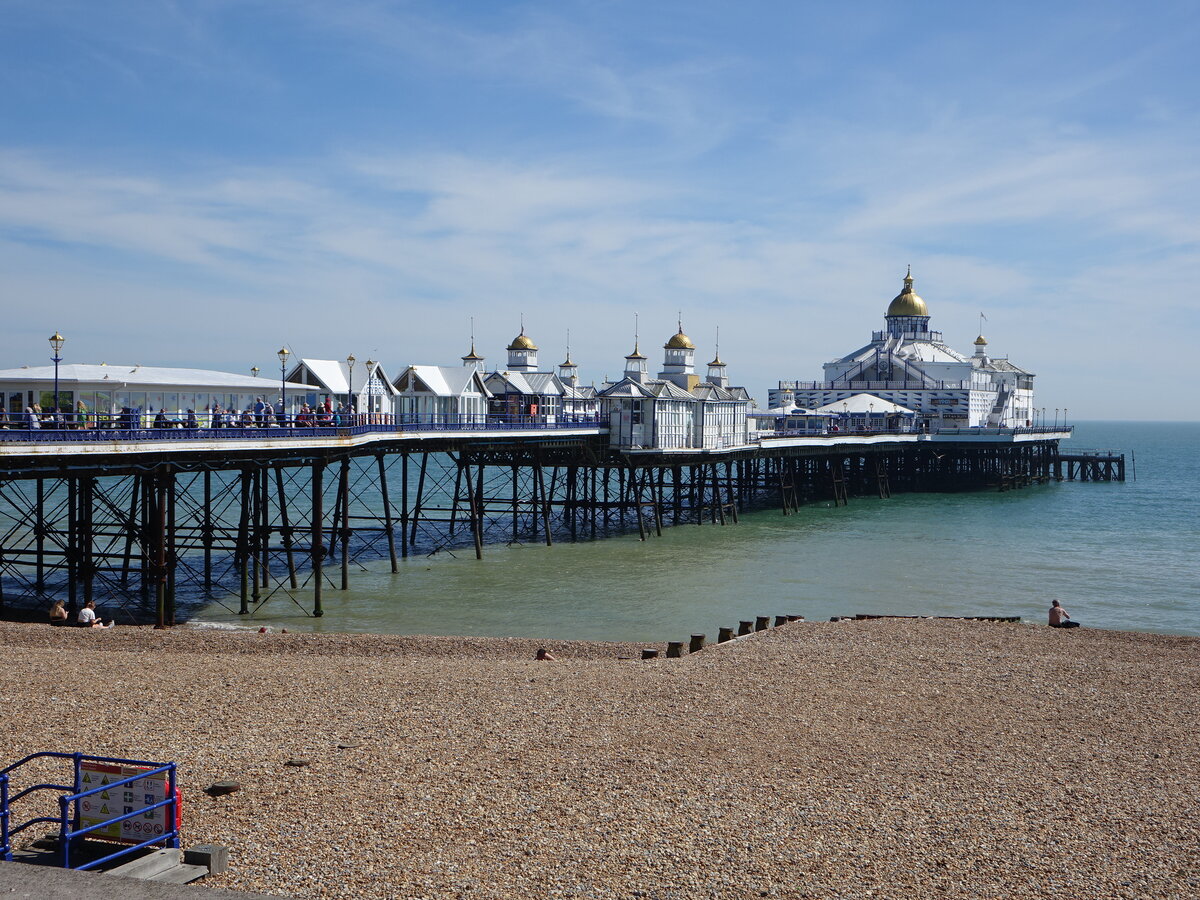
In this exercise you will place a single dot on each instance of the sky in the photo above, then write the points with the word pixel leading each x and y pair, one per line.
pixel 198 182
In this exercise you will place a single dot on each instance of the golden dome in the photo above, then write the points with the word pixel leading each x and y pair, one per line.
pixel 636 354
pixel 981 341
pixel 679 341
pixel 522 342
pixel 717 361
pixel 908 302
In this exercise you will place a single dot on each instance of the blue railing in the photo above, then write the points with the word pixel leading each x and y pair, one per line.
pixel 68 818
pixel 135 429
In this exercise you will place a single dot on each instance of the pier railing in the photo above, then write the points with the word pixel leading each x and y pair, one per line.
pixel 136 427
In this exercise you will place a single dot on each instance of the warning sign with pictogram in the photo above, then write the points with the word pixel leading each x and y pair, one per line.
pixel 94 810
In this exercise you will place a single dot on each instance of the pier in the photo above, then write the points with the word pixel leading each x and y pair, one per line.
pixel 144 520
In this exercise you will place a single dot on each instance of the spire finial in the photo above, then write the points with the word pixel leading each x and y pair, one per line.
pixel 680 321
pixel 522 323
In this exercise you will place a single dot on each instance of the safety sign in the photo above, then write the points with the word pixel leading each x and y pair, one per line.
pixel 132 797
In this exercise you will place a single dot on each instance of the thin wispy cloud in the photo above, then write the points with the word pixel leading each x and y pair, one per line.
pixel 286 169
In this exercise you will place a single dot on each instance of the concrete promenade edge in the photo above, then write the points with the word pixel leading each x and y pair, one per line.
pixel 23 881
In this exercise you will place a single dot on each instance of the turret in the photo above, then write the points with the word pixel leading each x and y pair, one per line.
pixel 716 372
pixel 568 371
pixel 679 361
pixel 907 313
pixel 635 366
pixel 473 360
pixel 522 354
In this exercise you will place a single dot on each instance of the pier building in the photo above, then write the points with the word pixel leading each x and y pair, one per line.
pixel 521 389
pixel 676 410
pixel 101 392
pixel 911 365
pixel 444 393
pixel 364 385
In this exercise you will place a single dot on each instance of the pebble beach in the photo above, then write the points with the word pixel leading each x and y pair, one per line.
pixel 884 758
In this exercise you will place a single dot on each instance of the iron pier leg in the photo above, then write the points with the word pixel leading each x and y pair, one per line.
pixel 206 534
pixel 404 505
pixel 344 488
pixel 387 512
pixel 71 544
pixel 317 543
pixel 416 516
pixel 39 531
pixel 169 552
pixel 241 556
pixel 286 528
pixel 87 562
pixel 160 550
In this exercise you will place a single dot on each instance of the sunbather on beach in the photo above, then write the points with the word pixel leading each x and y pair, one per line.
pixel 1059 617
pixel 87 617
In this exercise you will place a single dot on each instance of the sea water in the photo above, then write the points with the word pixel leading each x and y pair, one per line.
pixel 1117 555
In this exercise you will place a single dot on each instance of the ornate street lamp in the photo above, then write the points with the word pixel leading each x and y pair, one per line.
pixel 254 370
pixel 371 364
pixel 56 342
pixel 283 355
pixel 350 360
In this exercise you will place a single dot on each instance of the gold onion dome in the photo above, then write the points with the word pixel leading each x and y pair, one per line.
pixel 981 341
pixel 908 302
pixel 522 342
pixel 679 341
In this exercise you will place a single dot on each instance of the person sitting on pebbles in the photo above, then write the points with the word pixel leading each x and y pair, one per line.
pixel 1059 617
pixel 58 613
pixel 544 655
pixel 87 617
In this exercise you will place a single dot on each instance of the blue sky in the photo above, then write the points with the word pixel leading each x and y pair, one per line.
pixel 197 183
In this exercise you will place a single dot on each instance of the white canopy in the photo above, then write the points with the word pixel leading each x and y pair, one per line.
pixel 862 404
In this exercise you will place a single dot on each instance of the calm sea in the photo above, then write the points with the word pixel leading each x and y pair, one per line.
pixel 1118 556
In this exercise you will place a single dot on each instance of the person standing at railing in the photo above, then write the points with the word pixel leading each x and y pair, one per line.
pixel 191 421
pixel 31 418
pixel 280 413
pixel 81 414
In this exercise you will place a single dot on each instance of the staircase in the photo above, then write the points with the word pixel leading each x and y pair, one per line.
pixel 996 416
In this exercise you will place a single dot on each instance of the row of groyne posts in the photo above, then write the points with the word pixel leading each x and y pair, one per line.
pixel 150 534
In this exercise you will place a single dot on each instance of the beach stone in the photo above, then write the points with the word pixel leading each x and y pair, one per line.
pixel 220 788
pixel 296 762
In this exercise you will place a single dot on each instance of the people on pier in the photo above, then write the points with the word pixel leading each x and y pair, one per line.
pixel 1059 617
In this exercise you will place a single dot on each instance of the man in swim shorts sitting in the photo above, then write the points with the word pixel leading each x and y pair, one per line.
pixel 1059 617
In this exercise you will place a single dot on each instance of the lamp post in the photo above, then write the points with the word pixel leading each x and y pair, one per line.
pixel 1064 417
pixel 350 360
pixel 371 364
pixel 871 417
pixel 254 370
pixel 1056 418
pixel 56 342
pixel 283 355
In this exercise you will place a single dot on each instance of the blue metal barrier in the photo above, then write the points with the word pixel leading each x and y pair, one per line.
pixel 68 818
pixel 108 430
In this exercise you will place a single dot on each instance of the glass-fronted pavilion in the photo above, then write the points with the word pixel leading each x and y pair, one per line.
pixel 104 390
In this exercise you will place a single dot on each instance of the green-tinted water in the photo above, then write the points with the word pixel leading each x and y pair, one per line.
pixel 1116 555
